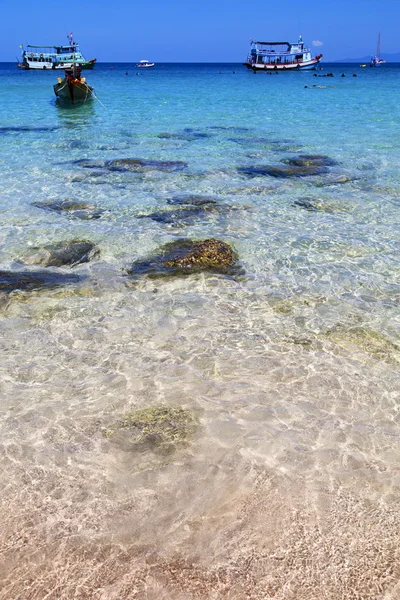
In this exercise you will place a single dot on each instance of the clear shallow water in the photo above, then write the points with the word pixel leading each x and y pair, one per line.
pixel 289 487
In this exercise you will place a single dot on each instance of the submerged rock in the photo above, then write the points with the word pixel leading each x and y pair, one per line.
pixel 313 205
pixel 311 160
pixel 276 146
pixel 89 177
pixel 184 256
pixel 180 217
pixel 265 143
pixel 282 172
pixel 188 135
pixel 188 209
pixel 140 164
pixel 75 208
pixel 26 128
pixel 74 144
pixel 62 254
pixel 375 344
pixel 32 280
pixel 238 129
pixel 158 428
pixel 249 141
pixel 132 164
pixel 90 164
pixel 192 200
pixel 335 180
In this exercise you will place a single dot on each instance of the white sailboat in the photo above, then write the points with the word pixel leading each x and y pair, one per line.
pixel 376 60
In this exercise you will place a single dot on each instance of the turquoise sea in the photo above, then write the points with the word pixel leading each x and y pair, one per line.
pixel 273 471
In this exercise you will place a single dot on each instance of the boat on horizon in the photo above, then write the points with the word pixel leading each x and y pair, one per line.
pixel 280 56
pixel 376 60
pixel 54 57
pixel 144 64
pixel 73 88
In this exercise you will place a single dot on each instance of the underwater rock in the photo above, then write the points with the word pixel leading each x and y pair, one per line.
pixel 185 256
pixel 90 164
pixel 158 428
pixel 74 144
pixel 188 135
pixel 238 129
pixel 25 128
pixel 140 164
pixel 248 141
pixel 180 217
pixel 282 172
pixel 189 208
pixel 192 200
pixel 75 208
pixel 61 254
pixel 132 164
pixel 264 143
pixel 312 204
pixel 251 190
pixel 32 280
pixel 335 180
pixel 91 177
pixel 375 344
pixel 310 160
pixel 276 146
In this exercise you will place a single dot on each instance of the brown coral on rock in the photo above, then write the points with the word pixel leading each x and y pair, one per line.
pixel 185 256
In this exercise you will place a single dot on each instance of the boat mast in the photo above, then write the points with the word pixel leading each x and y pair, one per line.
pixel 71 43
pixel 378 49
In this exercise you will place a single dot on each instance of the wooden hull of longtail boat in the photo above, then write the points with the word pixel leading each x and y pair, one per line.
pixel 73 91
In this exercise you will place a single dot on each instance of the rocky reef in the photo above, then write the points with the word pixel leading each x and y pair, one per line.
pixel 282 171
pixel 26 128
pixel 159 428
pixel 313 204
pixel 372 343
pixel 187 135
pixel 188 209
pixel 311 160
pixel 185 256
pixel 11 281
pixel 192 200
pixel 301 165
pixel 78 209
pixel 69 253
pixel 136 165
pixel 182 216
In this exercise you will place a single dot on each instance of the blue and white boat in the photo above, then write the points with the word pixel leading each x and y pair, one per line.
pixel 280 56
pixel 54 57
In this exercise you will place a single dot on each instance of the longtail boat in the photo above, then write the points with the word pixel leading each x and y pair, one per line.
pixel 73 88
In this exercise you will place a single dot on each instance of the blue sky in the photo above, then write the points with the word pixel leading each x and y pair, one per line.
pixel 206 31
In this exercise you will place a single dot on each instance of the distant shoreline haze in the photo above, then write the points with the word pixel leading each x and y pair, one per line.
pixel 392 58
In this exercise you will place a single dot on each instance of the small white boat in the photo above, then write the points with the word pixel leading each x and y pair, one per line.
pixel 144 64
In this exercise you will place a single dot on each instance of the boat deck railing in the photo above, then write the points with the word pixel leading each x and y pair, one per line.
pixel 283 53
pixel 275 61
